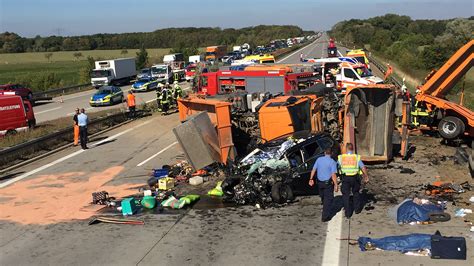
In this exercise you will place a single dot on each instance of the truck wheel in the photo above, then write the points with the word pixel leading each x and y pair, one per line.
pixel 10 132
pixel 451 127
pixel 281 193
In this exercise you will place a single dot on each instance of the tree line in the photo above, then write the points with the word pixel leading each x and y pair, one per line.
pixel 162 38
pixel 418 44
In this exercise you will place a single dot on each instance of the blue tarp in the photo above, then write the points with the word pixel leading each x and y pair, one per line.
pixel 411 242
pixel 411 212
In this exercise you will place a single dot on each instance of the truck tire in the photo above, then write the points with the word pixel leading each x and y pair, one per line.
pixel 10 132
pixel 281 193
pixel 439 216
pixel 451 127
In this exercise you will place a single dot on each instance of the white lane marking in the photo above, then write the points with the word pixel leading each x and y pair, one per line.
pixel 45 111
pixel 332 246
pixel 158 153
pixel 154 99
pixel 86 93
pixel 297 51
pixel 32 172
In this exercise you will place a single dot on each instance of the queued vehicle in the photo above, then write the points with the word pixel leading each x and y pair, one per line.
pixel 107 95
pixel 144 73
pixel 190 72
pixel 113 72
pixel 17 89
pixel 16 114
pixel 145 84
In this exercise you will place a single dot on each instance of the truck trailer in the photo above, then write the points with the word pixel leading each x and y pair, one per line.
pixel 113 72
pixel 214 53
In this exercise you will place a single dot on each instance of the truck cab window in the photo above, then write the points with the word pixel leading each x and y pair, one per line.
pixel 349 73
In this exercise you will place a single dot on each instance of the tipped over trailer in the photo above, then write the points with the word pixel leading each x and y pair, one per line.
pixel 239 129
pixel 369 122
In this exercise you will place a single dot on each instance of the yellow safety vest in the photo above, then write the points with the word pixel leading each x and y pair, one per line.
pixel 349 164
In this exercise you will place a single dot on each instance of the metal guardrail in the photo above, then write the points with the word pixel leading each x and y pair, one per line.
pixel 51 141
pixel 383 68
pixel 49 94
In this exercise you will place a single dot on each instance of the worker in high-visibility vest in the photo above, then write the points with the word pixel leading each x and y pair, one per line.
pixel 159 88
pixel 165 100
pixel 76 128
pixel 351 169
pixel 177 92
pixel 131 104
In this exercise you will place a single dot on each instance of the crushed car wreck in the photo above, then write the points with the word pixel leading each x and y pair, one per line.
pixel 277 171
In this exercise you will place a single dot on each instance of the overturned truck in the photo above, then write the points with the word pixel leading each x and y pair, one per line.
pixel 271 146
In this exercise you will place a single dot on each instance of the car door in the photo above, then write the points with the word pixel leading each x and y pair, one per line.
pixel 311 152
pixel 117 94
pixel 302 161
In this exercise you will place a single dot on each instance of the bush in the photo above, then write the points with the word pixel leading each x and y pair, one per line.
pixel 41 81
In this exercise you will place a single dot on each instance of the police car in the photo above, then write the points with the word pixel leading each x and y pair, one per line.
pixel 144 84
pixel 107 95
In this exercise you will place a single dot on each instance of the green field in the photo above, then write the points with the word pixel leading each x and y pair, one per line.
pixel 63 64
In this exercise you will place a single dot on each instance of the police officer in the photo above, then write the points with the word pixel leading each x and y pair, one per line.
pixel 326 169
pixel 351 167
pixel 159 88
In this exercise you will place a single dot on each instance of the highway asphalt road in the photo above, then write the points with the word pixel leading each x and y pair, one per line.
pixel 45 211
pixel 65 105
pixel 44 214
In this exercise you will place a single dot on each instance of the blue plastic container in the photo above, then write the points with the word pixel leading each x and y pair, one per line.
pixel 160 172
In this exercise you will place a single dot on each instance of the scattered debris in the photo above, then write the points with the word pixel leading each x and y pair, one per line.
pixel 436 246
pixel 462 212
pixel 407 171
pixel 112 220
pixel 420 211
pixel 101 198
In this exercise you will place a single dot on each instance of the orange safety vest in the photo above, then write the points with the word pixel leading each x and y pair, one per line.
pixel 131 100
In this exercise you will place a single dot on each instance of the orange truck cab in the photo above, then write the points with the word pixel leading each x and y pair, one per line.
pixel 16 114
pixel 214 53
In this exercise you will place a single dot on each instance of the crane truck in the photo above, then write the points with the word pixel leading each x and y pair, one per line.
pixel 432 109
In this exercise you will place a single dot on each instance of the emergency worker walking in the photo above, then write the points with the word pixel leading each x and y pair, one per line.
pixel 326 169
pixel 351 169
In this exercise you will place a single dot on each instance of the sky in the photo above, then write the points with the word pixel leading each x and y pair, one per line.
pixel 79 17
